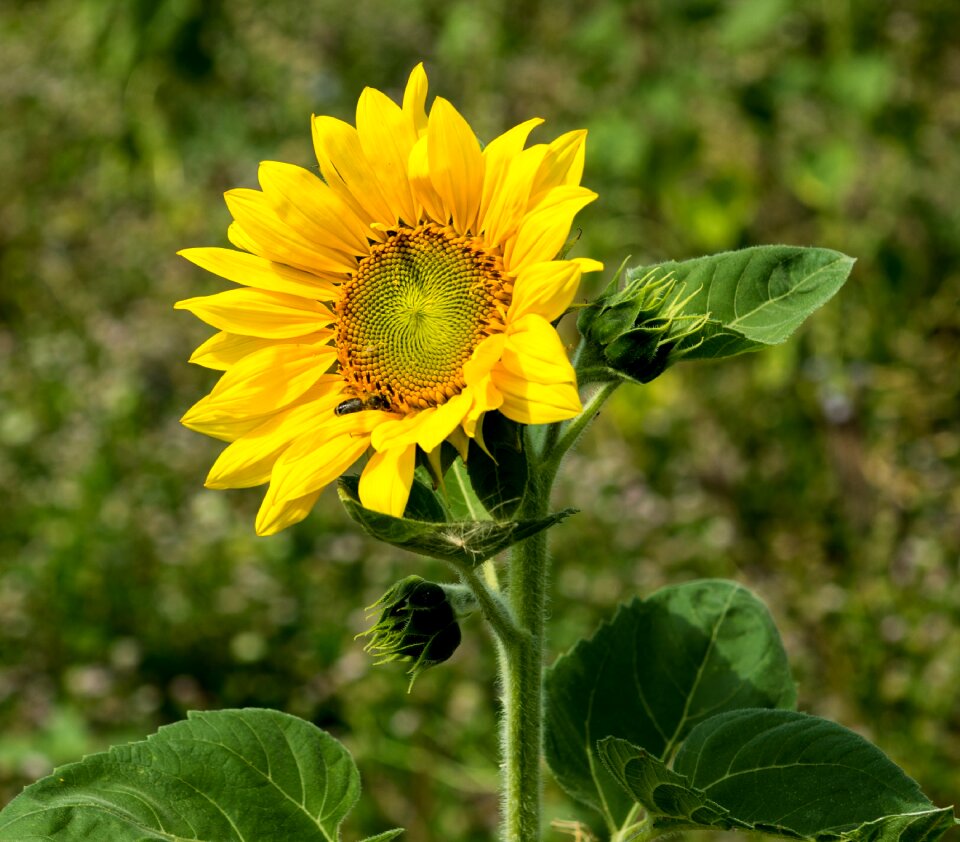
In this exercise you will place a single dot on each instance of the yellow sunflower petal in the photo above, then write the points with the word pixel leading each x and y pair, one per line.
pixel 225 428
pixel 588 264
pixel 386 480
pixel 456 164
pixel 346 169
pixel 260 384
pixel 534 351
pixel 253 312
pixel 313 208
pixel 420 182
pixel 458 438
pixel 277 239
pixel 444 421
pixel 304 468
pixel 253 271
pixel 485 397
pixel 544 230
pixel 483 358
pixel 415 99
pixel 223 349
pixel 510 204
pixel 401 431
pixel 562 164
pixel 243 241
pixel 387 136
pixel 285 514
pixel 548 288
pixel 497 157
pixel 249 460
pixel 535 403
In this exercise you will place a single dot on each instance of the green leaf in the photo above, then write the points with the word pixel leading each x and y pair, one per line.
pixel 224 776
pixel 780 772
pixel 385 836
pixel 661 666
pixel 756 296
pixel 666 796
pixel 706 308
pixel 460 542
pixel 461 500
pixel 500 476
pixel 789 770
pixel 925 826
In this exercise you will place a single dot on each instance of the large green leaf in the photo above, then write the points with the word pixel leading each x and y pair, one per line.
pixel 706 308
pixel 779 772
pixel 651 674
pixel 223 776
pixel 461 542
pixel 756 296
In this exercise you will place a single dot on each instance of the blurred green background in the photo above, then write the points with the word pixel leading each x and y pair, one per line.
pixel 822 474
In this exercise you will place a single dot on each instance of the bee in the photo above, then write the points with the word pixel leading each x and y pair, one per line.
pixel 352 405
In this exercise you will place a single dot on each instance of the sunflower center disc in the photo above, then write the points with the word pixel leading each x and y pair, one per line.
pixel 410 318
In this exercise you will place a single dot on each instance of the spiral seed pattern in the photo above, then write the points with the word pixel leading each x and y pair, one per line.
pixel 410 317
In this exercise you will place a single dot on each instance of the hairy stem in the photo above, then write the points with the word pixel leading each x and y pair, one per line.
pixel 522 675
pixel 521 654
pixel 495 610
pixel 570 431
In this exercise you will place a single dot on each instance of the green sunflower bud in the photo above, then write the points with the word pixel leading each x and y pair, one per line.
pixel 418 623
pixel 636 332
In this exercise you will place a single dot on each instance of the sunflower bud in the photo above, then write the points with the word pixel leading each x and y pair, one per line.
pixel 418 623
pixel 636 332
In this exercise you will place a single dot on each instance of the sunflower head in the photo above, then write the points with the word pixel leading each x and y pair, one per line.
pixel 388 305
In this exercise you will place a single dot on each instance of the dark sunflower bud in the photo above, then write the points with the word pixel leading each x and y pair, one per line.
pixel 418 623
pixel 636 332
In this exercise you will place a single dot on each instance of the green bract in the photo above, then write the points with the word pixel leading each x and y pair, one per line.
pixel 424 528
pixel 417 623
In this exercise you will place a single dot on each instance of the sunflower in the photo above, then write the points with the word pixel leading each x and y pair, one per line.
pixel 388 305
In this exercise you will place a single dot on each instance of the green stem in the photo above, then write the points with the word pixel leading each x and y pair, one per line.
pixel 522 675
pixel 570 431
pixel 521 654
pixel 495 610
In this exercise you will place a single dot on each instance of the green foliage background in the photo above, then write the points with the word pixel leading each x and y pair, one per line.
pixel 822 474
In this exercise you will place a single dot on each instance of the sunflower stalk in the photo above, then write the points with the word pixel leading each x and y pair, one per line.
pixel 521 676
pixel 522 655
